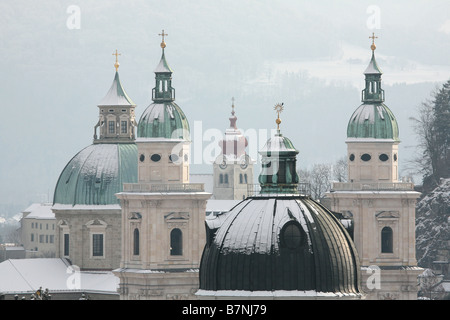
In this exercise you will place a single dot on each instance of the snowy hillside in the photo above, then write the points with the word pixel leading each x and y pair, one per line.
pixel 433 226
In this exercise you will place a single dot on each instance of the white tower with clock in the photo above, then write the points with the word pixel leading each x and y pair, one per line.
pixel 233 168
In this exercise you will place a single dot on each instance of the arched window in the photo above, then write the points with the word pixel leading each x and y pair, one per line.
pixel 291 235
pixel 386 240
pixel 221 178
pixel 241 178
pixel 176 242
pixel 136 242
pixel 226 178
pixel 245 178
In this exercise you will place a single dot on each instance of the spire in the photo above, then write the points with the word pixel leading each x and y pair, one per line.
pixel 373 92
pixel 233 118
pixel 116 113
pixel 116 95
pixel 163 91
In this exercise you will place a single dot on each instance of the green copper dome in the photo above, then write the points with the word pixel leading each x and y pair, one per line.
pixel 95 174
pixel 373 119
pixel 163 118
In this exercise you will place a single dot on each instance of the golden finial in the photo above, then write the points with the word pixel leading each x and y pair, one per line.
pixel 278 108
pixel 373 46
pixel 117 61
pixel 163 44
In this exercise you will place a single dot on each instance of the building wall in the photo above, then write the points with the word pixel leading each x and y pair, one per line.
pixel 81 225
pixel 38 237
pixel 372 211
pixel 155 271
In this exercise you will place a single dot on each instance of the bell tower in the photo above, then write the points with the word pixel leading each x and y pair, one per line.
pixel 163 215
pixel 381 207
pixel 233 168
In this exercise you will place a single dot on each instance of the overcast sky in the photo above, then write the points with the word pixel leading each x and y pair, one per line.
pixel 57 64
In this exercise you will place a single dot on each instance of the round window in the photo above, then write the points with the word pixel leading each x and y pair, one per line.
pixel 141 158
pixel 155 157
pixel 366 157
pixel 173 158
pixel 383 157
pixel 352 157
pixel 291 235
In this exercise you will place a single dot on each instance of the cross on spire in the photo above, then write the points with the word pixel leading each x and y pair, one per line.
pixel 163 44
pixel 117 60
pixel 373 46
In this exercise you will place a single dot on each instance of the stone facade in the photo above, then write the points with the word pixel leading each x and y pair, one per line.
pixel 90 238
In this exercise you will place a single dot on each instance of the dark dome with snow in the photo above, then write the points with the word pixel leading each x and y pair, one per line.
pixel 279 243
pixel 275 244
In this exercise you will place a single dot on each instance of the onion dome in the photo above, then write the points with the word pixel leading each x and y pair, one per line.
pixel 163 118
pixel 279 243
pixel 96 173
pixel 234 143
pixel 373 119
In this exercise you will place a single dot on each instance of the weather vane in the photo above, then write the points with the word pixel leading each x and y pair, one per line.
pixel 278 108
pixel 117 61
pixel 163 44
pixel 373 46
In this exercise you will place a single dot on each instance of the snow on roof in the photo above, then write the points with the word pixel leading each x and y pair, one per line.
pixel 40 211
pixel 27 275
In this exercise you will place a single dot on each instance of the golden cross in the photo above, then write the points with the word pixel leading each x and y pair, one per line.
pixel 117 61
pixel 373 46
pixel 163 44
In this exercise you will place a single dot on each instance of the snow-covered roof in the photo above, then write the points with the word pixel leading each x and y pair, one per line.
pixel 39 211
pixel 163 66
pixel 116 95
pixel 27 275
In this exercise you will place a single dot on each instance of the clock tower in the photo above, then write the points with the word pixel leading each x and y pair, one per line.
pixel 233 168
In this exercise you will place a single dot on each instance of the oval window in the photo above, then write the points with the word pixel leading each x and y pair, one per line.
pixel 185 157
pixel 291 235
pixel 155 157
pixel 395 157
pixel 352 157
pixel 141 158
pixel 383 157
pixel 366 157
pixel 173 158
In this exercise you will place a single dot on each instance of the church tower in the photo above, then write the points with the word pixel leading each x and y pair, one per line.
pixel 382 208
pixel 233 168
pixel 163 215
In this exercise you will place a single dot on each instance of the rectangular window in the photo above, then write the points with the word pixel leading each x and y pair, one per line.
pixel 46 238
pixel 52 238
pixel 97 245
pixel 66 244
pixel 111 126
pixel 32 237
pixel 123 126
pixel 41 238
